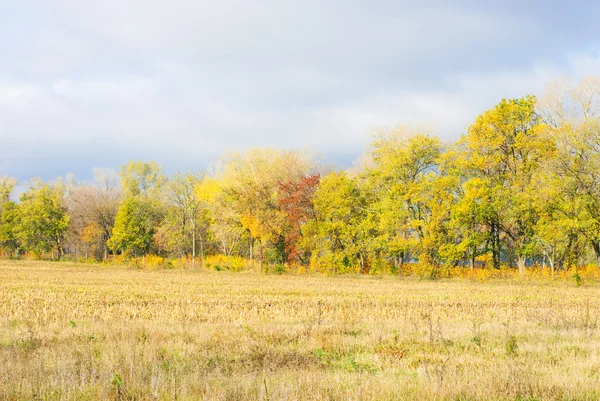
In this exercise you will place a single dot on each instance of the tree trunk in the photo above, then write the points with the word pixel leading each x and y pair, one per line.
pixel 193 246
pixel 201 251
pixel 496 246
pixel 521 260
pixel 596 246
pixel 260 254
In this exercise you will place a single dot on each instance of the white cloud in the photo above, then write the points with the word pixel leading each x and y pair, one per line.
pixel 174 80
pixel 17 97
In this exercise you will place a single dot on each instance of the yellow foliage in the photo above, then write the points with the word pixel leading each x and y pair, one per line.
pixel 223 262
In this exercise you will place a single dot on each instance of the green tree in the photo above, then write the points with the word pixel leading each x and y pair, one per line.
pixel 142 208
pixel 135 226
pixel 9 216
pixel 42 220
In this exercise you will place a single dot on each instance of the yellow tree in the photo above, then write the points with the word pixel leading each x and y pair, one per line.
pixel 558 229
pixel 573 112
pixel 502 150
pixel 221 215
pixel 342 232
pixel 399 172
pixel 250 185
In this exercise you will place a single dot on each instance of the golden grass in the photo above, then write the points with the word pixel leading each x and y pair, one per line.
pixel 70 331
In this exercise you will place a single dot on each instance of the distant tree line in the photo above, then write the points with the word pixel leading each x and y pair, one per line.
pixel 522 185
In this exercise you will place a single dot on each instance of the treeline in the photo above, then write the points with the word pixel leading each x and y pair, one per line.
pixel 521 186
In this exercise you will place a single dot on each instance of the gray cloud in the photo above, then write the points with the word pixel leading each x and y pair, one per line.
pixel 89 83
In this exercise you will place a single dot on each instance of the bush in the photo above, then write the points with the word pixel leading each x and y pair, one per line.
pixel 223 262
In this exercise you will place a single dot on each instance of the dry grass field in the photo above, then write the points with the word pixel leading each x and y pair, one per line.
pixel 79 332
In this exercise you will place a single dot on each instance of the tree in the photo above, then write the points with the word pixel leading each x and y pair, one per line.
pixel 142 178
pixel 94 205
pixel 141 210
pixel 221 215
pixel 8 214
pixel 9 217
pixel 7 186
pixel 296 200
pixel 438 196
pixel 578 165
pixel 574 113
pixel 470 217
pixel 184 218
pixel 341 233
pixel 557 229
pixel 42 220
pixel 135 226
pixel 249 185
pixel 401 164
pixel 502 150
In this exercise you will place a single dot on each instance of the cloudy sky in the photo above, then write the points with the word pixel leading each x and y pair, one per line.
pixel 87 83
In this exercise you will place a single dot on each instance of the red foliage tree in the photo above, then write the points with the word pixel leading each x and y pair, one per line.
pixel 296 200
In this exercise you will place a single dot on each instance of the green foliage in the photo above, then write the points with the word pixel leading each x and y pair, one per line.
pixel 577 278
pixel 9 214
pixel 40 220
pixel 117 383
pixel 522 186
pixel 341 234
pixel 411 198
pixel 511 346
pixel 502 151
pixel 134 227
pixel 141 178
pixel 185 217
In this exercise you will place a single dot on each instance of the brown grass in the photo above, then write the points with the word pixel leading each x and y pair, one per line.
pixel 71 331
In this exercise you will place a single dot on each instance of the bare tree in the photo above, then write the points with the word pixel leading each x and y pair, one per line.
pixel 587 97
pixel 7 186
pixel 566 103
pixel 182 193
pixel 93 206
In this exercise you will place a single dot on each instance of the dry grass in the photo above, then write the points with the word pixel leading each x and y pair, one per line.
pixel 72 331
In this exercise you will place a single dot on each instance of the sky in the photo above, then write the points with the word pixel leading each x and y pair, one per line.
pixel 86 83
